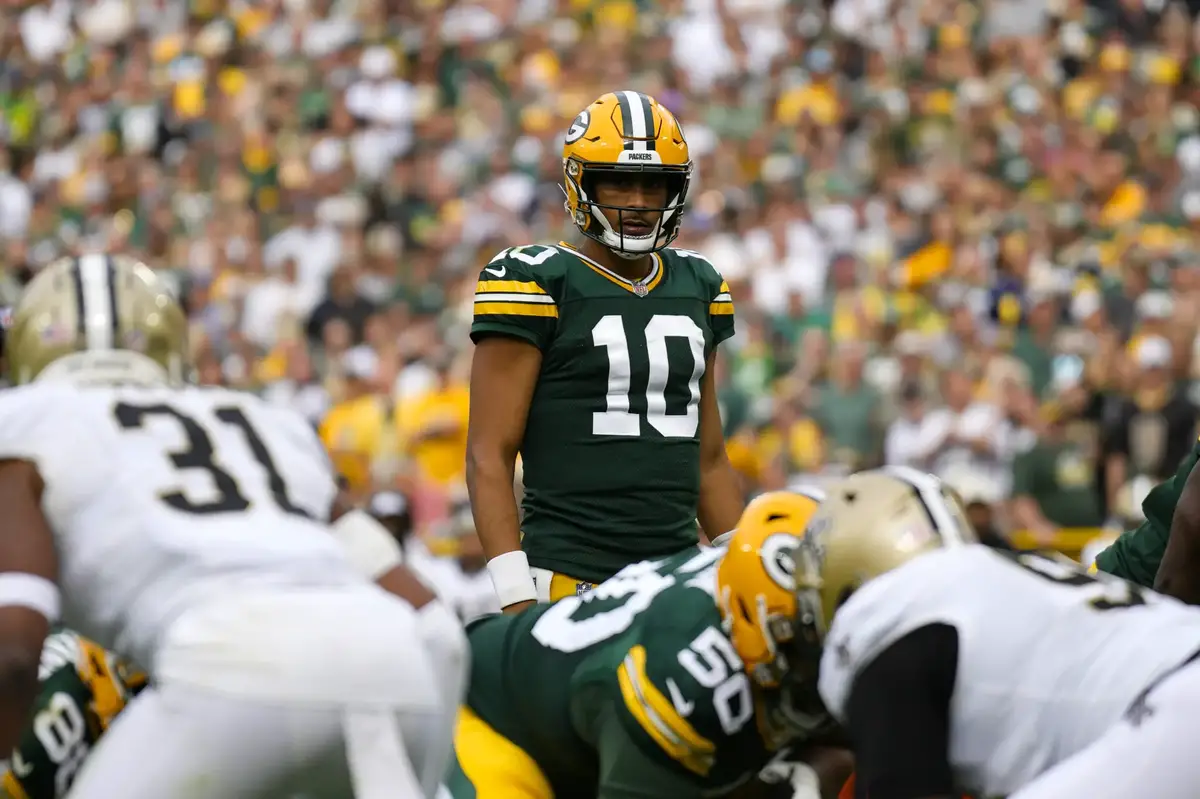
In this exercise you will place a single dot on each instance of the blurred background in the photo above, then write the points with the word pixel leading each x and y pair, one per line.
pixel 961 235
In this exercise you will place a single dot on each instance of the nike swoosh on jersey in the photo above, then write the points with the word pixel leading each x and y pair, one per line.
pixel 497 271
pixel 19 767
pixel 681 704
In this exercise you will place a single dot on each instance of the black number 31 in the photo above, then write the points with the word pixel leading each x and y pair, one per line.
pixel 200 455
pixel 1106 594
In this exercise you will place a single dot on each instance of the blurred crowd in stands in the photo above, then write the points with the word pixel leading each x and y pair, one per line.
pixel 962 235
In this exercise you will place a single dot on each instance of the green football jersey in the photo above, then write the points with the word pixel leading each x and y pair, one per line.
pixel 83 687
pixel 611 453
pixel 1136 554
pixel 632 690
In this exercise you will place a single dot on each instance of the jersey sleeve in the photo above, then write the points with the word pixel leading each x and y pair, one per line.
pixel 511 299
pixel 628 771
pixel 1136 555
pixel 666 713
pixel 720 312
pixel 48 427
pixel 720 301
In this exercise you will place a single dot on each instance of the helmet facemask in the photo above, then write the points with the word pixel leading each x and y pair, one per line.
pixel 582 179
pixel 795 707
pixel 785 683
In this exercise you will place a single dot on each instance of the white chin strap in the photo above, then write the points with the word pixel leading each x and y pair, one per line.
pixel 634 246
pixel 105 367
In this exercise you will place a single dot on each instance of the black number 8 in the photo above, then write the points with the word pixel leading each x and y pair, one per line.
pixel 200 455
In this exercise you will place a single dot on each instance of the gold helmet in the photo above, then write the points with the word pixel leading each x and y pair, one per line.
pixel 97 318
pixel 625 132
pixel 874 521
pixel 764 613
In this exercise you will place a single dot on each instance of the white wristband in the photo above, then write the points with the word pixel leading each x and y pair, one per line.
pixel 24 590
pixel 511 578
pixel 371 549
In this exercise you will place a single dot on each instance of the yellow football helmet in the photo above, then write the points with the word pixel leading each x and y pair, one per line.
pixel 97 318
pixel 627 132
pixel 874 521
pixel 764 612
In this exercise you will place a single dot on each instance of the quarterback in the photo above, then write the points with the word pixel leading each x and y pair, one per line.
pixel 677 678
pixel 594 362
pixel 190 530
pixel 955 667
pixel 83 688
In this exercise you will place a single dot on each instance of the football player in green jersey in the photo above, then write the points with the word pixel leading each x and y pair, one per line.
pixel 676 678
pixel 82 689
pixel 594 362
pixel 1138 555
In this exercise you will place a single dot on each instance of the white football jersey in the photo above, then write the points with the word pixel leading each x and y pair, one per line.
pixel 1048 657
pixel 159 497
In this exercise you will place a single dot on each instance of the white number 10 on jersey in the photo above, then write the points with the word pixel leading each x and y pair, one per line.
pixel 617 419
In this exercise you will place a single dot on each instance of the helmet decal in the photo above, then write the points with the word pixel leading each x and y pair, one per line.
pixel 778 558
pixel 578 127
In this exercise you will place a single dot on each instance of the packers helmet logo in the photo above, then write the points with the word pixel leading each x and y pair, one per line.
pixel 579 127
pixel 778 554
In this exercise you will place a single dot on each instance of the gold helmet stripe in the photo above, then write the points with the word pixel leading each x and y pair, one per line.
pixel 637 120
pixel 96 298
pixel 929 491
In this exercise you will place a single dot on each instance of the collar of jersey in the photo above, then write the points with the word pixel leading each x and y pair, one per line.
pixel 649 281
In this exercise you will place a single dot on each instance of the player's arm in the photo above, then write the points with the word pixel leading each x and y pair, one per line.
pixel 721 497
pixel 513 322
pixel 29 596
pixel 376 553
pixel 898 717
pixel 721 501
pixel 1179 572
pixel 504 372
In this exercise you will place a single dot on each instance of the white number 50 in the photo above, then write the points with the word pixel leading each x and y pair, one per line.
pixel 713 662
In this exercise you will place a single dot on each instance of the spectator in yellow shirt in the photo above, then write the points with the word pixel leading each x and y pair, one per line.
pixel 353 431
pixel 432 427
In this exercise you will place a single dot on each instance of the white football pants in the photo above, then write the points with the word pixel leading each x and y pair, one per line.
pixel 1150 752
pixel 322 692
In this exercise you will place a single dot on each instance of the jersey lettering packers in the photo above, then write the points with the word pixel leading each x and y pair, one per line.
pixel 611 447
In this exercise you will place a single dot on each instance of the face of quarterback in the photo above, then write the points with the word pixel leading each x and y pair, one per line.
pixel 637 198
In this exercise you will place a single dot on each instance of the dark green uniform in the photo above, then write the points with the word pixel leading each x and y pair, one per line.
pixel 83 688
pixel 1137 553
pixel 611 453
pixel 629 692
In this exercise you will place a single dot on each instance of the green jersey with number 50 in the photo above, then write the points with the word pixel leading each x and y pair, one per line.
pixel 611 453
pixel 630 691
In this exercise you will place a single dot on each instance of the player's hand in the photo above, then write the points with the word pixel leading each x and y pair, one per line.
pixel 517 607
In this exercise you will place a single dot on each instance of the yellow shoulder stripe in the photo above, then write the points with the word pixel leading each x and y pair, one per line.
pixel 508 287
pixel 515 309
pixel 720 308
pixel 656 714
pixel 108 698
pixel 13 789
pixel 724 288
